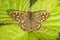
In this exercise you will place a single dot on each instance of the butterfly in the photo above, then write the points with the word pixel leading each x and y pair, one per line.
pixel 30 21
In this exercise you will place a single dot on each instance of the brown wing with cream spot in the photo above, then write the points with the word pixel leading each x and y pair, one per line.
pixel 18 16
pixel 35 25
pixel 26 25
pixel 22 18
pixel 37 20
pixel 42 16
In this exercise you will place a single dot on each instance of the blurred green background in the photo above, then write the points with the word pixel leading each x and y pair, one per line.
pixel 9 29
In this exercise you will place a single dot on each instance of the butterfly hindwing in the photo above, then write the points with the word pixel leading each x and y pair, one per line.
pixel 26 25
pixel 35 25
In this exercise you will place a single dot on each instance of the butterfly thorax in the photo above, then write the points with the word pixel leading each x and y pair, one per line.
pixel 30 19
pixel 30 15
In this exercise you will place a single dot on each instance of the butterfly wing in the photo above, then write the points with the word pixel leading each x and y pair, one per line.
pixel 18 16
pixel 35 25
pixel 22 18
pixel 38 18
pixel 28 24
pixel 41 16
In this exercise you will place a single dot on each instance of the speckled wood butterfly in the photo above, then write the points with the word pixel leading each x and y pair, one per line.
pixel 29 21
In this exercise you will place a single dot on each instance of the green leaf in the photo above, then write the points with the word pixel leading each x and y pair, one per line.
pixel 9 29
pixel 32 2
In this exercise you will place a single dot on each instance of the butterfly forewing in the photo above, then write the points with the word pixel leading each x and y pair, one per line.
pixel 22 18
pixel 18 16
pixel 41 16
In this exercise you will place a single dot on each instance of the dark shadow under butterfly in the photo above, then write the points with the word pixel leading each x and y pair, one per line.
pixel 29 21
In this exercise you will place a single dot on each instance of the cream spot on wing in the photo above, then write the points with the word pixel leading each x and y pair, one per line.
pixel 43 16
pixel 44 13
pixel 16 13
pixel 22 21
pixel 38 26
pixel 43 19
pixel 18 16
pixel 17 19
pixel 23 27
pixel 13 15
pixel 38 20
